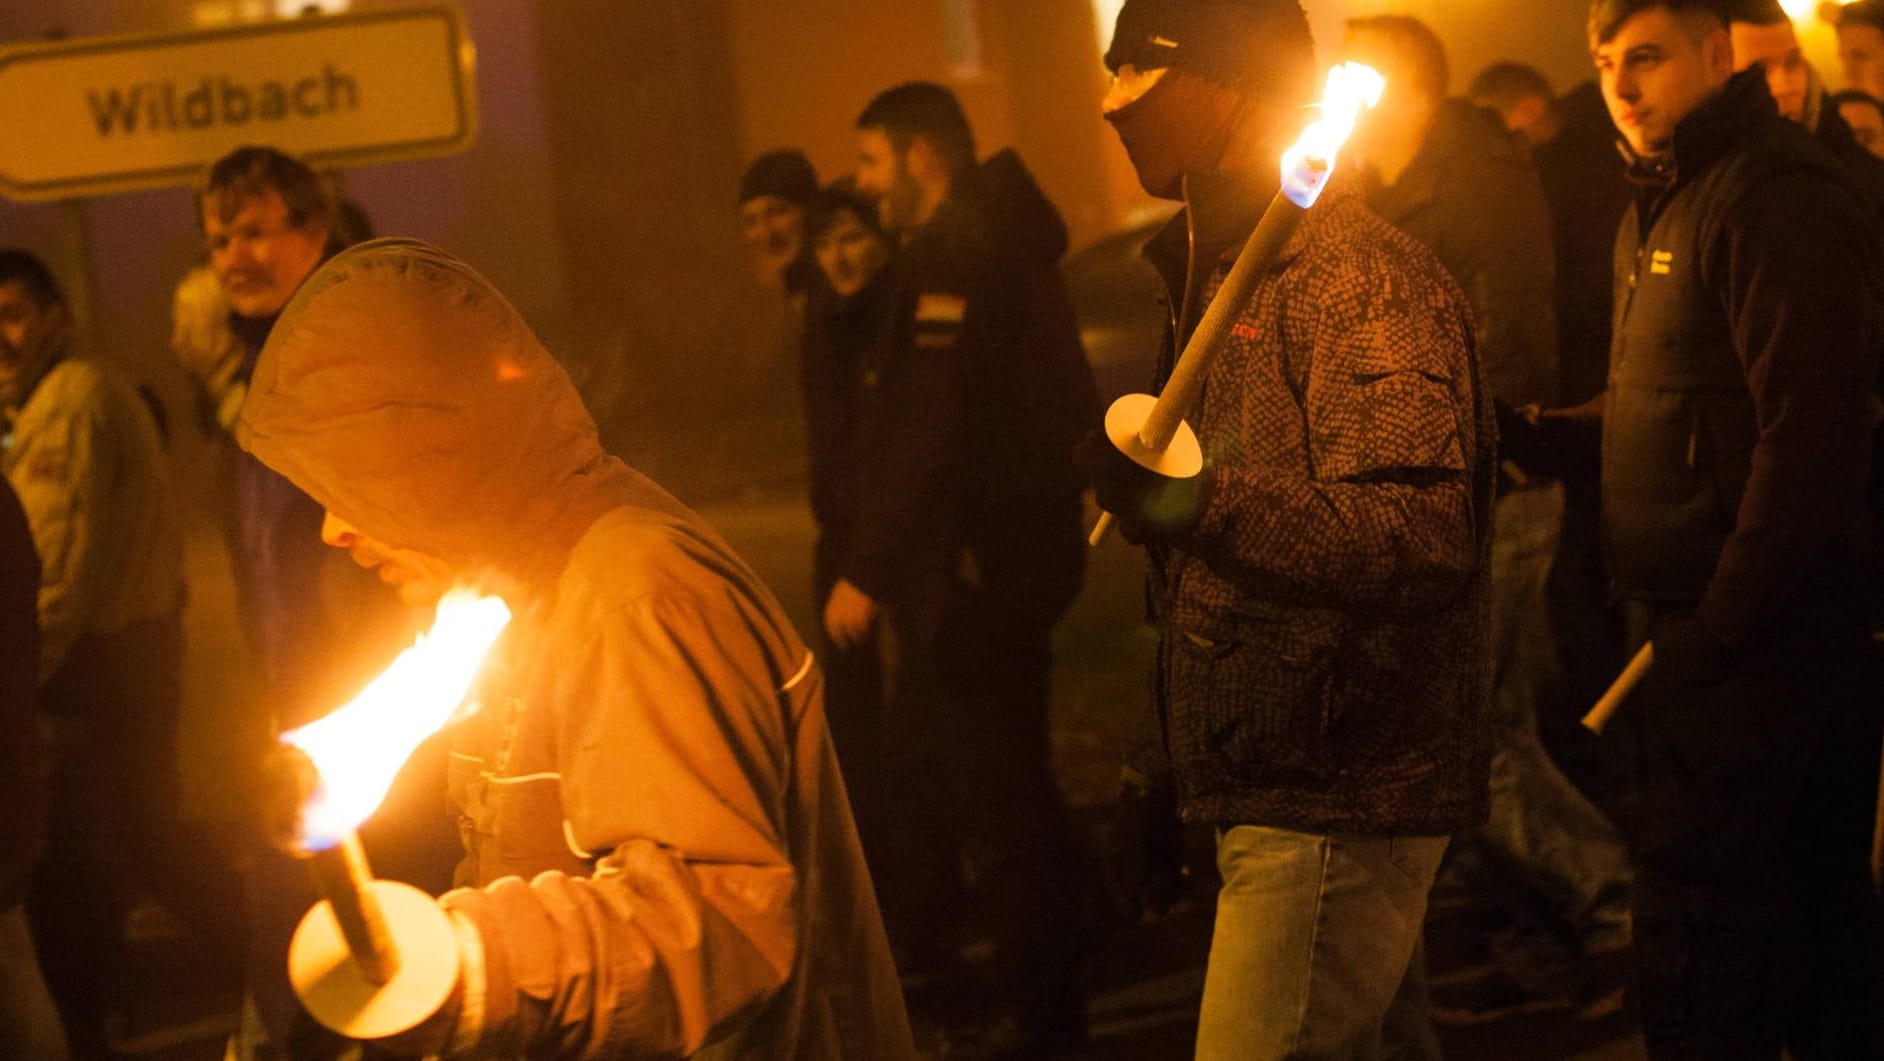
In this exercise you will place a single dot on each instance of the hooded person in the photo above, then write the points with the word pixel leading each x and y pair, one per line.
pixel 660 855
pixel 1319 589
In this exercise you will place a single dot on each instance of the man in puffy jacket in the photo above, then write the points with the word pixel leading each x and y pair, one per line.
pixel 661 860
pixel 1736 445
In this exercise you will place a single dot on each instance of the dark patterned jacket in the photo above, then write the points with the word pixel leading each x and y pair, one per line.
pixel 1323 659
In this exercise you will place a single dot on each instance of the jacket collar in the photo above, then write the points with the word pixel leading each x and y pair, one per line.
pixel 1709 132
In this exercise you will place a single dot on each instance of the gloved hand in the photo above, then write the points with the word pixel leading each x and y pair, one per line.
pixel 1145 851
pixel 1150 508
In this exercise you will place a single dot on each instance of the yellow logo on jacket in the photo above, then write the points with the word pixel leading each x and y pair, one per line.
pixel 1661 263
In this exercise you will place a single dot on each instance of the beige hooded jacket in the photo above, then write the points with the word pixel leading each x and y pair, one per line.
pixel 649 798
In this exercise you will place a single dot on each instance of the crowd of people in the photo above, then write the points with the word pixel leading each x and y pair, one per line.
pixel 1543 383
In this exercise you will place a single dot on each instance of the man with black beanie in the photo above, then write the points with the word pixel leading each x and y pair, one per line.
pixel 1320 589
pixel 772 198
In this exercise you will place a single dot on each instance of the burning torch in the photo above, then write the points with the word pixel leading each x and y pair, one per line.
pixel 1151 431
pixel 376 958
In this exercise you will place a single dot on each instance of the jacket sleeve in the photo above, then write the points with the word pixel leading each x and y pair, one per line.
pixel 64 475
pixel 1386 520
pixel 674 754
pixel 913 427
pixel 1802 270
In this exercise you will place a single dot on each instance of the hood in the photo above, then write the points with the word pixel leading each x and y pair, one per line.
pixel 1018 215
pixel 405 395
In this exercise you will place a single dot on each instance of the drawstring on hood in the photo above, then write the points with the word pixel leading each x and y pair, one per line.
pixel 403 393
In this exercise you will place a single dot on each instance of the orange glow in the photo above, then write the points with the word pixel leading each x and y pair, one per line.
pixel 1308 164
pixel 360 747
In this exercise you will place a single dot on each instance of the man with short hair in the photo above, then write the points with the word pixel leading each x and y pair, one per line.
pixel 266 221
pixel 1320 589
pixel 967 537
pixel 1736 441
pixel 82 452
pixel 1763 34
pixel 1447 173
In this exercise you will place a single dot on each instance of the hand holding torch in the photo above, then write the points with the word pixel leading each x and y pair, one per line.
pixel 1151 431
pixel 377 958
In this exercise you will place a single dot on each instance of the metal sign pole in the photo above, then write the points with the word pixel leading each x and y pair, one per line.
pixel 81 290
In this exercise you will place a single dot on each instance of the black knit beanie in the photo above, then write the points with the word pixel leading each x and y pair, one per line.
pixel 1253 46
pixel 786 174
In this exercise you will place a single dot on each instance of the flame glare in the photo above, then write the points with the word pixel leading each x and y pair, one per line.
pixel 1308 164
pixel 359 748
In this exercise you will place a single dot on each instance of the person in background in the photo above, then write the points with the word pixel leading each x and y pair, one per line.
pixel 1860 29
pixel 267 223
pixel 1763 33
pixel 1320 589
pixel 773 194
pixel 1449 174
pixel 967 542
pixel 659 856
pixel 1865 115
pixel 1736 443
pixel 843 356
pixel 81 451
pixel 29 1021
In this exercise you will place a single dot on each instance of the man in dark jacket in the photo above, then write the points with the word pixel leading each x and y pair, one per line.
pixel 967 532
pixel 1736 440
pixel 1320 589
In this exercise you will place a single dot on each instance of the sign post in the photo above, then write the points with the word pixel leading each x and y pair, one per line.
pixel 114 114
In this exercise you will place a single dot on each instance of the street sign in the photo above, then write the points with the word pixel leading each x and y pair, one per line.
pixel 112 114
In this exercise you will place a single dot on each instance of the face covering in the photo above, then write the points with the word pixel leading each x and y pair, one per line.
pixel 1182 125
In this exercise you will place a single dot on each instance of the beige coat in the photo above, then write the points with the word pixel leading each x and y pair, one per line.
pixel 651 805
pixel 86 461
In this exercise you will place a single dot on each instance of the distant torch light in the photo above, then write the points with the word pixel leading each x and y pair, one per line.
pixel 1151 431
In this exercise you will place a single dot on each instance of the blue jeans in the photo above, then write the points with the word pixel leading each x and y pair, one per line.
pixel 1314 934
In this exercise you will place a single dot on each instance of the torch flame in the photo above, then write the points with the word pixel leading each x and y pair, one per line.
pixel 1307 165
pixel 360 747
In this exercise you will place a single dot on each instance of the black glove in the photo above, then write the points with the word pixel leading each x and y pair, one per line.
pixel 1145 851
pixel 1150 508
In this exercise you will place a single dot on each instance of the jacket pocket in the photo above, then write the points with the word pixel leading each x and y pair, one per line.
pixel 1254 706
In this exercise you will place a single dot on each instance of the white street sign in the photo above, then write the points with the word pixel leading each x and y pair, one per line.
pixel 110 114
